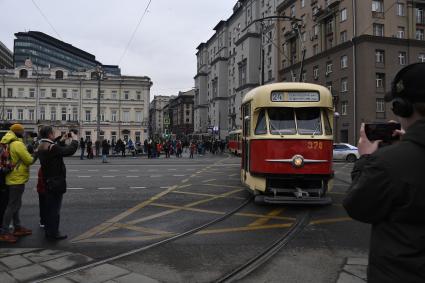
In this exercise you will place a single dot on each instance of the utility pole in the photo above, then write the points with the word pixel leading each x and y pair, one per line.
pixel 100 75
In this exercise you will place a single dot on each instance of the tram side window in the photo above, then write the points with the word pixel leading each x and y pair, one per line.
pixel 328 127
pixel 308 121
pixel 247 119
pixel 261 128
pixel 282 121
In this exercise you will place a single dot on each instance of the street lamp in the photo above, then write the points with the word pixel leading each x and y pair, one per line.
pixel 100 75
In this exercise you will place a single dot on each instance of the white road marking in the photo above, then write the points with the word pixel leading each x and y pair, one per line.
pixel 113 170
pixel 179 175
pixel 133 170
pixel 83 176
pixel 106 189
pixel 73 170
pixel 156 176
pixel 75 189
pixel 108 176
pixel 95 170
pixel 135 188
pixel 172 169
pixel 132 176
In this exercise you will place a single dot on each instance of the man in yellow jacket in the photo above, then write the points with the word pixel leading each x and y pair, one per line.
pixel 16 180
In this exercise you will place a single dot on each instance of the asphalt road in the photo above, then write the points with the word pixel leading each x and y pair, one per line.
pixel 128 203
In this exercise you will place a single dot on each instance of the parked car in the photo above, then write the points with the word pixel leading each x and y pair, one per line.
pixel 345 151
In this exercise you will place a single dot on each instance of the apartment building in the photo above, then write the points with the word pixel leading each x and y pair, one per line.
pixel 6 57
pixel 156 115
pixel 180 111
pixel 68 100
pixel 238 57
pixel 355 48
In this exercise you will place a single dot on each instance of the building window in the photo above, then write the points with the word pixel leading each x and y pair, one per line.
pixel 102 94
pixel 63 114
pixel 21 92
pixel 114 115
pixel 328 68
pixel 10 92
pixel 315 49
pixel 126 95
pixel 421 57
pixel 316 72
pixel 42 113
pixel 379 56
pixel 420 16
pixel 316 31
pixel 420 34
pixel 378 6
pixel 378 29
pixel 88 115
pixel 329 86
pixel 343 36
pixel 344 108
pixel 59 75
pixel 31 115
pixel 344 62
pixel 102 115
pixel 329 26
pixel 53 114
pixel 400 10
pixel 20 114
pixel 88 135
pixel 139 116
pixel 9 114
pixel 88 93
pixel 64 93
pixel 380 105
pixel 43 93
pixel 402 58
pixel 400 32
pixel 53 92
pixel 304 76
pixel 242 72
pixel 344 85
pixel 114 94
pixel 380 80
pixel 139 95
pixel 75 93
pixel 23 74
pixel 302 3
pixel 32 92
pixel 126 116
pixel 113 137
pixel 75 114
pixel 292 11
pixel 343 15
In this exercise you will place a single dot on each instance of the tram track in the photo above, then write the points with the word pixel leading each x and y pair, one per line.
pixel 257 261
pixel 144 248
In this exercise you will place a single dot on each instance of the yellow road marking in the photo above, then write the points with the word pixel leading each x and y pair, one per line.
pixel 124 239
pixel 330 220
pixel 264 220
pixel 207 181
pixel 244 229
pixel 142 229
pixel 202 194
pixel 225 186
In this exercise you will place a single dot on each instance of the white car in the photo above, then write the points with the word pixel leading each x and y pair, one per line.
pixel 346 152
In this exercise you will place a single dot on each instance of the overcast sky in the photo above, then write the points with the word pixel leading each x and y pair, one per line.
pixel 163 48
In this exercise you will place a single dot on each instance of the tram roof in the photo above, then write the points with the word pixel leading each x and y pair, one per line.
pixel 262 95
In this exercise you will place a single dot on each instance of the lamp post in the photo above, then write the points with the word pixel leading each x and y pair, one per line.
pixel 100 75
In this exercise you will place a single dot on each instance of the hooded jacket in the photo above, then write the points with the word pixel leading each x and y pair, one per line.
pixel 388 191
pixel 20 157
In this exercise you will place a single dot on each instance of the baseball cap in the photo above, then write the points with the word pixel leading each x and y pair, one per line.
pixel 409 83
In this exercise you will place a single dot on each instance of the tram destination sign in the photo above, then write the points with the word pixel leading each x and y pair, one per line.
pixel 298 96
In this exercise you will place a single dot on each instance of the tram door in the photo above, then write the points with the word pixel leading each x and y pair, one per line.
pixel 246 111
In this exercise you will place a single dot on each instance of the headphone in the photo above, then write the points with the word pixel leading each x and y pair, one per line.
pixel 402 107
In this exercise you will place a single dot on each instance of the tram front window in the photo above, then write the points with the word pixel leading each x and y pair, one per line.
pixel 308 121
pixel 282 121
pixel 261 128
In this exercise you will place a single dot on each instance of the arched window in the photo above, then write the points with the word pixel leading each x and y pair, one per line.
pixel 59 75
pixel 23 74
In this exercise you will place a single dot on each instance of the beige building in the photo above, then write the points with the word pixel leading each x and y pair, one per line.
pixel 68 100
pixel 238 57
pixel 156 115
pixel 355 49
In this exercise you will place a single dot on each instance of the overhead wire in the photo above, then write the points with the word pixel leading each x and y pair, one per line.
pixel 46 19
pixel 134 32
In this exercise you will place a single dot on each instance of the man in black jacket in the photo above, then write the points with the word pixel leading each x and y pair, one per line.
pixel 388 188
pixel 54 170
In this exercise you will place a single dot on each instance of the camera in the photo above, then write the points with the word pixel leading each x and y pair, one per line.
pixel 382 131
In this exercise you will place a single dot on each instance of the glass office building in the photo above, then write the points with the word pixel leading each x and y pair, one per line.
pixel 46 51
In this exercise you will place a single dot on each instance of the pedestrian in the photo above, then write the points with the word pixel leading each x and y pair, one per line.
pixel 105 151
pixel 97 147
pixel 192 149
pixel 158 149
pixel 388 191
pixel 89 149
pixel 178 149
pixel 54 173
pixel 42 198
pixel 16 180
pixel 82 148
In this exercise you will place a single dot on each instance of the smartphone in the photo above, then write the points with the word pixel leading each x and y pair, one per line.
pixel 382 131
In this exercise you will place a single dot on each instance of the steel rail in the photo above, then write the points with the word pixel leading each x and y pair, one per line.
pixel 257 261
pixel 145 248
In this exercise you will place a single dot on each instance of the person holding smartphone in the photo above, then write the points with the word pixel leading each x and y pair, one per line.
pixel 388 188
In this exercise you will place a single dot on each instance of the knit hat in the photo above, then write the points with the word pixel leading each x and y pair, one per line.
pixel 17 128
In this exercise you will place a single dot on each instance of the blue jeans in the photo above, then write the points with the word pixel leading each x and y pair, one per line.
pixel 82 153
pixel 104 158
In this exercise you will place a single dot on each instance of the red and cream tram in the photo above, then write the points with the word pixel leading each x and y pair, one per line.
pixel 235 142
pixel 287 143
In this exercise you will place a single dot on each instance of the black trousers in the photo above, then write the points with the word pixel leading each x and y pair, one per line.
pixel 4 199
pixel 42 203
pixel 54 204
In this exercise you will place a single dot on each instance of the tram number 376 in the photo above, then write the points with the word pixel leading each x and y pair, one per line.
pixel 315 145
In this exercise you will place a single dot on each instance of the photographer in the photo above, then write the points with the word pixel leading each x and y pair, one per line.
pixel 388 188
pixel 54 175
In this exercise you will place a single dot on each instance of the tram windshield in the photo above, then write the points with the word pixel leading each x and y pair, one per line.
pixel 290 121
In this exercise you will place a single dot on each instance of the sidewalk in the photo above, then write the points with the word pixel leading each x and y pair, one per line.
pixel 27 265
pixel 354 271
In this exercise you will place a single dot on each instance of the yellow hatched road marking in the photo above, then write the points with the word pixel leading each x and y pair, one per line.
pixel 244 229
pixel 330 220
pixel 142 229
pixel 202 194
pixel 264 220
pixel 224 186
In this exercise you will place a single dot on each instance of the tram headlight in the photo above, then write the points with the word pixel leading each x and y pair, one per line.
pixel 298 161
